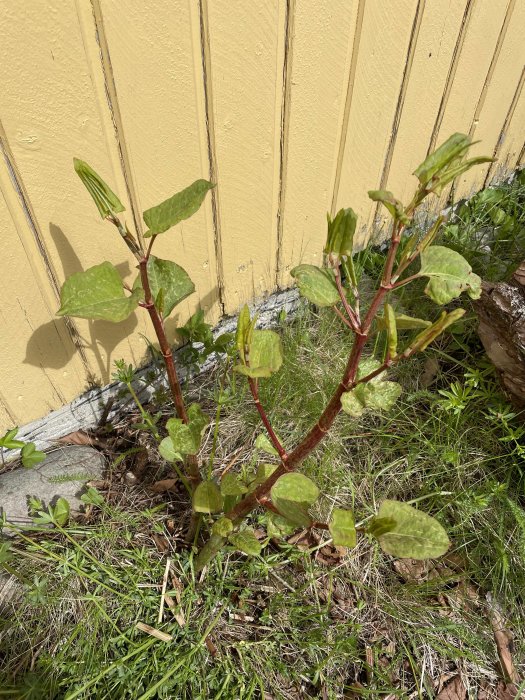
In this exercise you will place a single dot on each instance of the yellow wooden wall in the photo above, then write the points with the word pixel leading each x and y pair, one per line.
pixel 294 107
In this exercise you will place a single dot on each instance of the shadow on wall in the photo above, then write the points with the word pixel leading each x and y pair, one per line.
pixel 46 347
pixel 104 336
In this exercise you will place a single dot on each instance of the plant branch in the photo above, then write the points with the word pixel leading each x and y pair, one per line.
pixel 349 310
pixel 150 246
pixel 343 318
pixel 254 388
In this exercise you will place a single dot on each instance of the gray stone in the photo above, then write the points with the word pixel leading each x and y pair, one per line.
pixel 63 473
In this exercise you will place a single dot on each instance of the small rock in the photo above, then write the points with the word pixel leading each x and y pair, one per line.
pixel 63 473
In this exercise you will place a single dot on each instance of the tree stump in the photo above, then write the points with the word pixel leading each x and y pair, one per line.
pixel 501 313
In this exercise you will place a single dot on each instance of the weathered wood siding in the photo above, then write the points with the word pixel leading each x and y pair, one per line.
pixel 294 107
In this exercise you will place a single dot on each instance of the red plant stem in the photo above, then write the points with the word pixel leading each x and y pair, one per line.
pixel 254 388
pixel 167 354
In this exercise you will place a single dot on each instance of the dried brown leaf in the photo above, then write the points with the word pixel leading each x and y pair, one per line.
pixel 507 692
pixel 78 437
pixel 504 641
pixel 163 486
pixel 454 690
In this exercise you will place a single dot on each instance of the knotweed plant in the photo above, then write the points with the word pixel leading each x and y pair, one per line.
pixel 281 489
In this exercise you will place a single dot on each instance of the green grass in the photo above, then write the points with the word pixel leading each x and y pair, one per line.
pixel 295 623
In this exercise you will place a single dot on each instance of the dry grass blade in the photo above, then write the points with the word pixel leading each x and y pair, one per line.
pixel 163 591
pixel 163 636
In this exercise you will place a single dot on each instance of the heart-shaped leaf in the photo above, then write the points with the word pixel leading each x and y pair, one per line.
pixel 231 485
pixel 222 527
pixel 177 208
pixel 184 438
pixel 265 355
pixel 97 293
pixel 207 498
pixel 449 275
pixel 264 443
pixel 342 528
pixel 316 284
pixel 292 495
pixel 415 534
pixel 246 542
pixel 168 280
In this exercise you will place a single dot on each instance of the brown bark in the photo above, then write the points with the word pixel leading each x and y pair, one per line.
pixel 501 313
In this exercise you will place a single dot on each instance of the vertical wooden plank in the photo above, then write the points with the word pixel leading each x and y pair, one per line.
pixel 498 94
pixel 155 54
pixel 247 43
pixel 510 141
pixel 442 24
pixel 324 42
pixel 385 48
pixel 51 112
pixel 40 368
pixel 479 46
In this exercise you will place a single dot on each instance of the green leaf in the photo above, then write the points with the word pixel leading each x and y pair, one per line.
pixel 423 339
pixel 222 527
pixel 316 284
pixel 341 231
pixel 449 275
pixel 394 206
pixel 106 200
pixel 292 495
pixel 184 438
pixel 61 512
pixel 177 208
pixel 342 528
pixel 6 555
pixel 92 497
pixel 207 498
pixel 455 171
pixel 97 293
pixel 265 355
pixel 377 396
pixel 453 149
pixel 31 456
pixel 168 279
pixel 246 542
pixel 264 444
pixel 264 471
pixel 379 526
pixel 391 330
pixel 279 527
pixel 404 322
pixel 231 485
pixel 415 535
pixel 8 440
pixel 168 450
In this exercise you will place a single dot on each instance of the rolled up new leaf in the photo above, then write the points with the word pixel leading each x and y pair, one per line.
pixel 106 200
